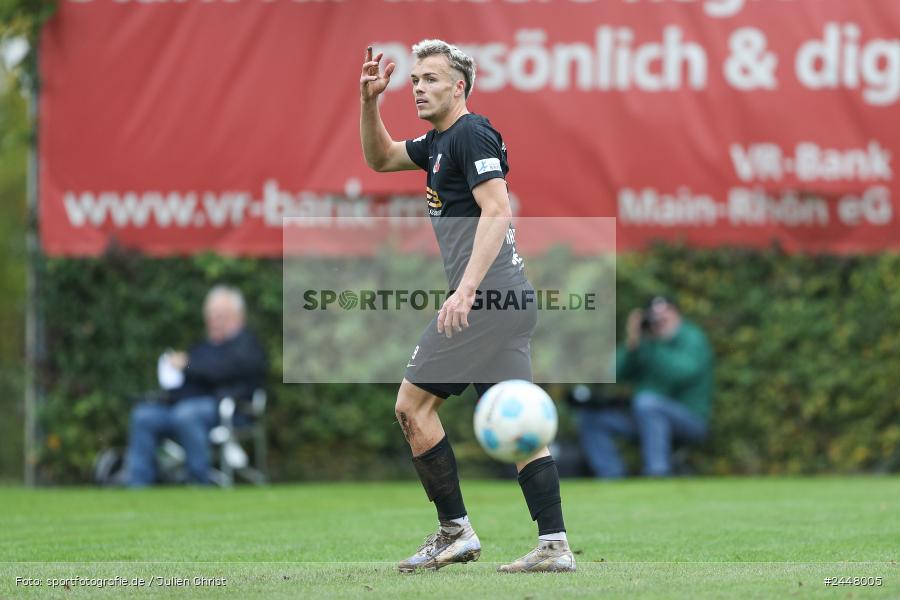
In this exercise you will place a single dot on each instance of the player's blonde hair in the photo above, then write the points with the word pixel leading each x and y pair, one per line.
pixel 458 59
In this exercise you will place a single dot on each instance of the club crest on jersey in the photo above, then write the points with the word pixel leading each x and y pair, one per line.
pixel 437 164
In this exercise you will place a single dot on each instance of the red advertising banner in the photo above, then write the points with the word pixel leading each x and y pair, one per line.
pixel 178 126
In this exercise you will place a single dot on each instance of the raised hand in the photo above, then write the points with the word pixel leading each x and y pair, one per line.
pixel 373 81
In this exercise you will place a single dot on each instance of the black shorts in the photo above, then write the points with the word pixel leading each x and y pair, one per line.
pixel 495 347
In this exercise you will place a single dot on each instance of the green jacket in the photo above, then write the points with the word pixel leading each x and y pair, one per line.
pixel 680 368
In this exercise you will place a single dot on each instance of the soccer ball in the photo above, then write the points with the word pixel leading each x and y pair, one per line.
pixel 514 419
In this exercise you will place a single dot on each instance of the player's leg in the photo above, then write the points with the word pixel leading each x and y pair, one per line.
pixel 448 365
pixel 417 413
pixel 455 541
pixel 539 479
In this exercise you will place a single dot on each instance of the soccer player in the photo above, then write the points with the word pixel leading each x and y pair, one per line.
pixel 468 203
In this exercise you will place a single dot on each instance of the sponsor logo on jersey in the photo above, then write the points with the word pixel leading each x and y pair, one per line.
pixel 437 164
pixel 420 138
pixel 432 198
pixel 487 164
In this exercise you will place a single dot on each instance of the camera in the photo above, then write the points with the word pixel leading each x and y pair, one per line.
pixel 651 316
pixel 648 320
pixel 598 396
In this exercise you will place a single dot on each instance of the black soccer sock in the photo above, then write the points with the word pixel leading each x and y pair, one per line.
pixel 437 472
pixel 540 485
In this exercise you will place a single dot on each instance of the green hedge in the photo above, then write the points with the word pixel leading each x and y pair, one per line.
pixel 806 348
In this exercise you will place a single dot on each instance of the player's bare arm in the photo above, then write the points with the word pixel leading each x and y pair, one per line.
pixel 381 151
pixel 493 198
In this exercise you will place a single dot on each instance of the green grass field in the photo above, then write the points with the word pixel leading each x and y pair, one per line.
pixel 707 538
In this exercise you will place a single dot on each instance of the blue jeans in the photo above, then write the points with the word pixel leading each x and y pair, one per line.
pixel 655 420
pixel 188 421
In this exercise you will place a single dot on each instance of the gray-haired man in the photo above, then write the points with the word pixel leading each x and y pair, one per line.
pixel 230 361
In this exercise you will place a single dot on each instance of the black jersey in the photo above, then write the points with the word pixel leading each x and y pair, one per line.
pixel 456 160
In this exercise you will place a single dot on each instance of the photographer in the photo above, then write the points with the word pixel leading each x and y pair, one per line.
pixel 669 363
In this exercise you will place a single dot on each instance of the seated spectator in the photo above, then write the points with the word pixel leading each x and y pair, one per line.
pixel 669 363
pixel 229 362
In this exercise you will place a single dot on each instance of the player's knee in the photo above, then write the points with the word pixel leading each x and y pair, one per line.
pixel 403 404
pixel 413 403
pixel 407 408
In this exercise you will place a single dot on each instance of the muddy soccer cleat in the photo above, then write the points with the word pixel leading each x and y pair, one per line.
pixel 553 557
pixel 450 545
